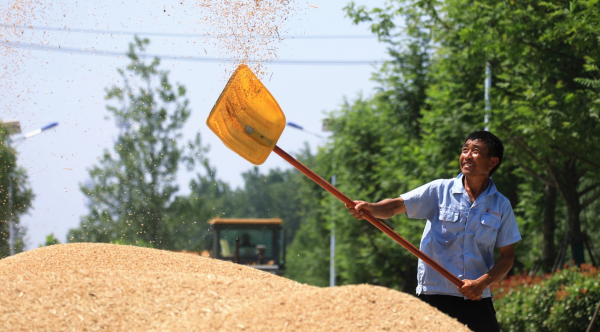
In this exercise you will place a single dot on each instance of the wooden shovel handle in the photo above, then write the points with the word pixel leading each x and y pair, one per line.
pixel 376 222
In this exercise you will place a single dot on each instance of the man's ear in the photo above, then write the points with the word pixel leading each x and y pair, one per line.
pixel 494 161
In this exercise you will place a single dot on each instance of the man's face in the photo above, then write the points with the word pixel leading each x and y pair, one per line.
pixel 475 160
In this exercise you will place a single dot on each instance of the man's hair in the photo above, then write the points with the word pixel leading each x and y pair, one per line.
pixel 494 145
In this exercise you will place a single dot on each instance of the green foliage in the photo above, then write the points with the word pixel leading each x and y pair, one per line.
pixel 188 215
pixel 50 241
pixel 364 155
pixel 131 189
pixel 565 301
pixel 272 195
pixel 372 163
pixel 137 243
pixel 12 204
pixel 540 54
pixel 377 154
pixel 132 192
pixel 544 105
pixel 308 253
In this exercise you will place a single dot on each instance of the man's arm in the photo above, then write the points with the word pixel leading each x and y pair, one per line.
pixel 384 209
pixel 473 289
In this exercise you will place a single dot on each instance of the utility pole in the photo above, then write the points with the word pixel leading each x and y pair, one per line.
pixel 488 85
pixel 11 226
pixel 325 128
pixel 332 240
pixel 332 237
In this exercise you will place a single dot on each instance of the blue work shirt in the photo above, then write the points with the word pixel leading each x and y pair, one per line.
pixel 459 235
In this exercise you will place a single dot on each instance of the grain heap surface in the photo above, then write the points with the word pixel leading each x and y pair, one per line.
pixel 90 287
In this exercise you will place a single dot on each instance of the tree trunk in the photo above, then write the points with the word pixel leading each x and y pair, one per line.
pixel 577 247
pixel 571 197
pixel 548 228
pixel 567 183
pixel 4 246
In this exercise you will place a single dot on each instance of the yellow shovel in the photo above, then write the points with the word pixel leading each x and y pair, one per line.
pixel 249 121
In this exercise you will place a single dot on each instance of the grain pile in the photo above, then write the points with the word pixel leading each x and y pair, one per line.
pixel 90 287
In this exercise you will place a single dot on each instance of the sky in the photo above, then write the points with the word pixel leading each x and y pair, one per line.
pixel 46 85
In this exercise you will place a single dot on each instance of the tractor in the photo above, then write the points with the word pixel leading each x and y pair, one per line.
pixel 258 243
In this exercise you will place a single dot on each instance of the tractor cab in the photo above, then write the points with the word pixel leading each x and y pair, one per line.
pixel 258 243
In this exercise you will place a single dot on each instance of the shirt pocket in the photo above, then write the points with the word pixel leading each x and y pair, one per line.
pixel 449 225
pixel 487 230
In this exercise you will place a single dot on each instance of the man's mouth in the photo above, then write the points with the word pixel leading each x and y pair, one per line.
pixel 468 165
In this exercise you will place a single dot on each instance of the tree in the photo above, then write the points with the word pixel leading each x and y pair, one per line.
pixel 431 97
pixel 12 204
pixel 545 96
pixel 50 241
pixel 131 189
pixel 540 54
pixel 272 195
pixel 376 149
pixel 188 215
pixel 369 142
pixel 308 252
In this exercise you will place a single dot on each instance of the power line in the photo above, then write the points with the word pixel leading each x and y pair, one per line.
pixel 171 34
pixel 93 51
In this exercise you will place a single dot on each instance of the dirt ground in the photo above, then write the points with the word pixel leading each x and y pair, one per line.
pixel 104 287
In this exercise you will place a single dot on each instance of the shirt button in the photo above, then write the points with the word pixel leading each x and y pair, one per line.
pixel 468 230
pixel 466 251
pixel 467 273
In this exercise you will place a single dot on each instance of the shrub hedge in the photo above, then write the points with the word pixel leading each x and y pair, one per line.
pixel 564 301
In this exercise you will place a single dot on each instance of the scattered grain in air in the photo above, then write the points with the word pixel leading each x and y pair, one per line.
pixel 70 169
pixel 126 288
pixel 313 6
pixel 244 31
pixel 18 17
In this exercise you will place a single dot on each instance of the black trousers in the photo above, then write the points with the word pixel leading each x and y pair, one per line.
pixel 479 316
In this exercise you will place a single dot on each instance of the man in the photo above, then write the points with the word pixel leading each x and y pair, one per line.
pixel 466 216
pixel 247 249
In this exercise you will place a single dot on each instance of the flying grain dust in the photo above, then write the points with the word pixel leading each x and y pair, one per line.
pixel 104 287
pixel 246 31
pixel 15 17
pixel 12 15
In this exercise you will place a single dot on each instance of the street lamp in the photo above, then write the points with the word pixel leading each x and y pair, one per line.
pixel 488 85
pixel 299 127
pixel 332 239
pixel 13 127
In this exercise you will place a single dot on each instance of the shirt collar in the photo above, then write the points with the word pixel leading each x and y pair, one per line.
pixel 458 187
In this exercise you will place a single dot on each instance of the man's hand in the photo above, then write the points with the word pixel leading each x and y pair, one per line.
pixel 384 209
pixel 358 210
pixel 473 289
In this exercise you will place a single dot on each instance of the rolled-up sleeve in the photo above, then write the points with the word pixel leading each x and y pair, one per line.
pixel 508 233
pixel 422 202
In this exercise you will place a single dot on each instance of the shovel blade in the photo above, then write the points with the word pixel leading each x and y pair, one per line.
pixel 246 117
